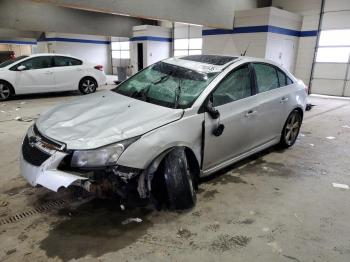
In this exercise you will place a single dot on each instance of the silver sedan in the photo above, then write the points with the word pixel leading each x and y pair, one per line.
pixel 158 132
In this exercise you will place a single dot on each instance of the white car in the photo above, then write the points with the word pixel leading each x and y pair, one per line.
pixel 48 73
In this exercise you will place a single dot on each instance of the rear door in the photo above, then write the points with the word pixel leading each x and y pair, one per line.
pixel 271 98
pixel 37 75
pixel 68 72
pixel 237 107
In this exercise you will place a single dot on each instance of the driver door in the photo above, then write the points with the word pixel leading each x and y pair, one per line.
pixel 233 98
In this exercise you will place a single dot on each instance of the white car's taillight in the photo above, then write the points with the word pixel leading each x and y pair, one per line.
pixel 99 67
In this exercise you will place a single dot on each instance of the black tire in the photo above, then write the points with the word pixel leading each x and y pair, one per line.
pixel 87 85
pixel 178 181
pixel 5 91
pixel 291 129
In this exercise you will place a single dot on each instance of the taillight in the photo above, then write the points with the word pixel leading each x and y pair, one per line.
pixel 99 67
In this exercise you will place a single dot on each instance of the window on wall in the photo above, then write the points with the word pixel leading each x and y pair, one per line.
pixel 121 50
pixel 188 39
pixel 334 46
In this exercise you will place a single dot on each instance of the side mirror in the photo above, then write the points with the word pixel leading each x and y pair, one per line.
pixel 21 68
pixel 214 113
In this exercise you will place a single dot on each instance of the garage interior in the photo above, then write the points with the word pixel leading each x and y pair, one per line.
pixel 278 205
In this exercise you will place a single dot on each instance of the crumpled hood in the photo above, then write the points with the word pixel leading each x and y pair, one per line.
pixel 103 118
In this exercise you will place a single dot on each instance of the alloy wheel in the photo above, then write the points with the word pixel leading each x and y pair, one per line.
pixel 292 128
pixel 89 86
pixel 5 92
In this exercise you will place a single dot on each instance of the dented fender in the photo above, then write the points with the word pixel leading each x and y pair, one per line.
pixel 186 132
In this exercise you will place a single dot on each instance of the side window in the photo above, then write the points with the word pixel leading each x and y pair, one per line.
pixel 66 61
pixel 235 86
pixel 39 62
pixel 289 81
pixel 282 78
pixel 266 77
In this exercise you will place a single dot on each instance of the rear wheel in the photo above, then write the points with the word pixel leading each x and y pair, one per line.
pixel 5 91
pixel 291 129
pixel 87 85
pixel 179 181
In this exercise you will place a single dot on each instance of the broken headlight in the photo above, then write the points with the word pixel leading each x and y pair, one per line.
pixel 103 156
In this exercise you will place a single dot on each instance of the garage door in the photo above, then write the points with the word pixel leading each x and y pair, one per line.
pixel 331 74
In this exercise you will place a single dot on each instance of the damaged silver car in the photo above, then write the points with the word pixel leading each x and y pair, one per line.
pixel 157 133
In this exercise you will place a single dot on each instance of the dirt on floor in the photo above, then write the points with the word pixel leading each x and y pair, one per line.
pixel 274 206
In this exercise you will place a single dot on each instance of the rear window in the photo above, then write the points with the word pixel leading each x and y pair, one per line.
pixel 66 61
pixel 266 77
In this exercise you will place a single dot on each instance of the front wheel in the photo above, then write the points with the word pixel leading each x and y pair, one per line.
pixel 178 180
pixel 87 85
pixel 291 129
pixel 5 91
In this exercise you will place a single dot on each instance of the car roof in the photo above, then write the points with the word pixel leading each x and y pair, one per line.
pixel 211 63
pixel 52 54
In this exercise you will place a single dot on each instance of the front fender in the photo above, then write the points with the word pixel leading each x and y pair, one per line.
pixel 185 132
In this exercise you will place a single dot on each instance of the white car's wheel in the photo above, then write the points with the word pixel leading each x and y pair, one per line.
pixel 87 85
pixel 5 91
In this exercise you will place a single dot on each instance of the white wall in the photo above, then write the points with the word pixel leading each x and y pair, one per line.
pixel 96 53
pixel 153 50
pixel 310 10
pixel 235 44
pixel 278 47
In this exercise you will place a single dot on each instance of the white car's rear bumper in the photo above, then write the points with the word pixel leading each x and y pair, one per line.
pixel 47 174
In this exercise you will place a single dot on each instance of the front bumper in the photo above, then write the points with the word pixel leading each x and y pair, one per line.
pixel 47 174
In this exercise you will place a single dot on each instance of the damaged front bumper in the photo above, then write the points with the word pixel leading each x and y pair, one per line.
pixel 47 163
pixel 47 174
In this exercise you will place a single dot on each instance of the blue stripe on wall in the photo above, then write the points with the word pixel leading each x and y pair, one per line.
pixel 259 29
pixel 74 40
pixel 18 42
pixel 151 38
pixel 308 33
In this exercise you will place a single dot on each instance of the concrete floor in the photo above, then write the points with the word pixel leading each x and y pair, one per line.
pixel 275 206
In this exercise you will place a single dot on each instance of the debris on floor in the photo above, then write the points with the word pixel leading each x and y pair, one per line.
pixel 265 229
pixel 330 137
pixel 3 203
pixel 131 219
pixel 26 119
pixel 226 242
pixel 184 233
pixel 309 107
pixel 345 126
pixel 312 145
pixel 342 186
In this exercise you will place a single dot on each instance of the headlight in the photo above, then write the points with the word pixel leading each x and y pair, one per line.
pixel 104 156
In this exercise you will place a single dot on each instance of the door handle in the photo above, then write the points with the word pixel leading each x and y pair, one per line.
pixel 284 99
pixel 48 72
pixel 250 113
